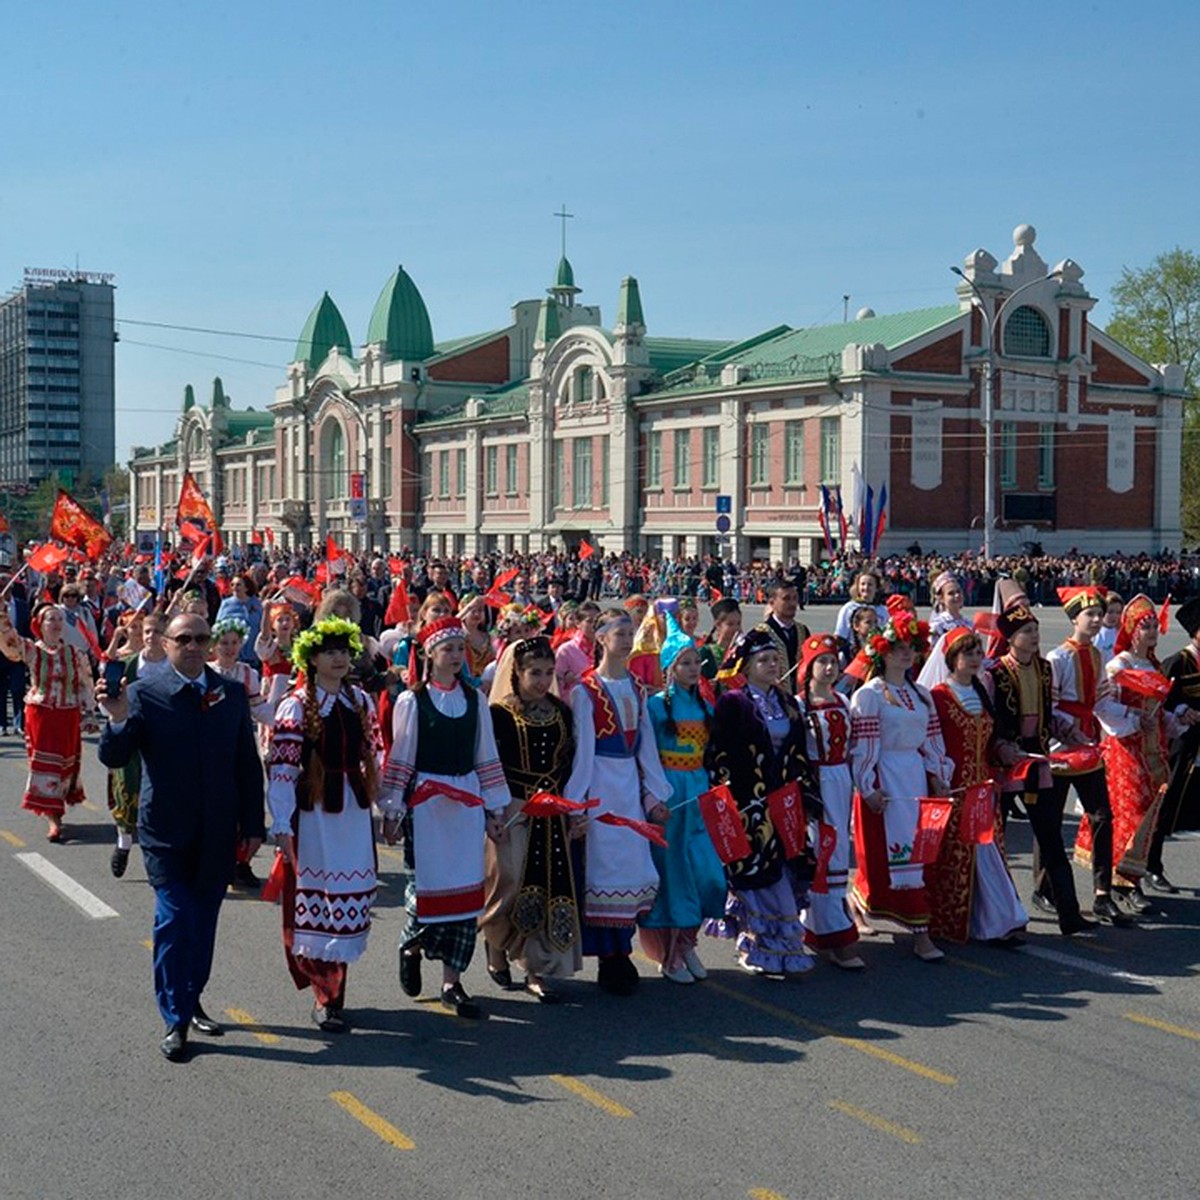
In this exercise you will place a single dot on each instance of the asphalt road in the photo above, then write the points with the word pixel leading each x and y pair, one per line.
pixel 1066 1069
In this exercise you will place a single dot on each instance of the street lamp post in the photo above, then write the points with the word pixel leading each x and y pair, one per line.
pixel 990 324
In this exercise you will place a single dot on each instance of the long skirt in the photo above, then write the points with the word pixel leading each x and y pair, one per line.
pixel 766 923
pixel 53 744
pixel 875 888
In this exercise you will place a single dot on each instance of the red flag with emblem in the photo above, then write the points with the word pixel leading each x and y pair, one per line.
pixel 70 522
pixel 931 828
pixel 826 844
pixel 976 823
pixel 787 814
pixel 724 823
pixel 47 558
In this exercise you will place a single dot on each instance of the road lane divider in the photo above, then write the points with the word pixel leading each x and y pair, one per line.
pixel 862 1045
pixel 12 839
pixel 900 1132
pixel 148 943
pixel 382 1129
pixel 1092 968
pixel 764 1194
pixel 241 1017
pixel 584 1092
pixel 978 968
pixel 1163 1026
pixel 67 887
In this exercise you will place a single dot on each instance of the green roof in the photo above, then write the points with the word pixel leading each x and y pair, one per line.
pixel 629 307
pixel 669 354
pixel 240 422
pixel 459 344
pixel 401 321
pixel 564 277
pixel 189 397
pixel 548 326
pixel 510 400
pixel 323 330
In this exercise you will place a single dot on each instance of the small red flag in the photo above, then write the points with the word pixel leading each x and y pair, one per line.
pixel 715 594
pixel 256 538
pixel 586 550
pixel 270 534
pixel 1079 759
pixel 1164 615
pixel 826 843
pixel 397 609
pixel 931 828
pixel 976 823
pixel 726 830
pixel 652 833
pixel 430 788
pixel 1150 684
pixel 47 558
pixel 333 551
pixel 547 804
pixel 787 814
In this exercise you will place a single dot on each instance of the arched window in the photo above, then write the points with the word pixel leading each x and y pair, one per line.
pixel 1026 334
pixel 335 461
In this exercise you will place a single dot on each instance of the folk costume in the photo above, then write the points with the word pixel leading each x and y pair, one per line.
pixel 971 893
pixel 530 911
pixel 691 878
pixel 895 744
pixel 758 745
pixel 827 921
pixel 443 736
pixel 276 662
pixel 322 779
pixel 573 658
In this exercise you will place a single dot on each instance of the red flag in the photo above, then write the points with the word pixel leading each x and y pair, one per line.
pixel 586 550
pixel 503 578
pixel 397 609
pixel 192 505
pixel 826 844
pixel 70 522
pixel 270 534
pixel 395 565
pixel 333 551
pixel 1079 759
pixel 3 523
pixel 429 789
pixel 714 594
pixel 787 814
pixel 47 558
pixel 200 549
pixel 495 599
pixel 256 538
pixel 931 828
pixel 1021 768
pixel 547 804
pixel 1164 616
pixel 726 830
pixel 272 890
pixel 976 823
pixel 652 833
pixel 1150 684
pixel 298 590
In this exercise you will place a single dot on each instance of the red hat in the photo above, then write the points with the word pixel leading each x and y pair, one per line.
pixel 951 640
pixel 898 603
pixel 441 630
pixel 1076 599
pixel 812 648
pixel 1137 612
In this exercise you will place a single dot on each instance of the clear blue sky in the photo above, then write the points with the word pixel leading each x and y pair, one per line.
pixel 750 163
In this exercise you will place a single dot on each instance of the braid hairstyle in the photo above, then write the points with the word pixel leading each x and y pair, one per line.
pixel 313 732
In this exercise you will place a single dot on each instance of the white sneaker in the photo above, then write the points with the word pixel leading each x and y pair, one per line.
pixel 691 960
pixel 683 975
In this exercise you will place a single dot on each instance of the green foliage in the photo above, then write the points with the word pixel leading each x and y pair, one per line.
pixel 1156 313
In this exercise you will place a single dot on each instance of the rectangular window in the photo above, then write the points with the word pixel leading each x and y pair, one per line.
pixel 460 472
pixel 581 473
pixel 683 458
pixel 831 449
pixel 654 459
pixel 604 468
pixel 712 456
pixel 1045 456
pixel 760 463
pixel 1006 436
pixel 385 464
pixel 560 470
pixel 511 471
pixel 443 472
pixel 491 470
pixel 793 453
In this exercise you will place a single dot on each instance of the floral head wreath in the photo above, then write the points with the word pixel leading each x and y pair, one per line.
pixel 903 627
pixel 230 625
pixel 313 639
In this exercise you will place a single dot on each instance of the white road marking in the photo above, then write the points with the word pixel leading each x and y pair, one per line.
pixel 62 883
pixel 1095 968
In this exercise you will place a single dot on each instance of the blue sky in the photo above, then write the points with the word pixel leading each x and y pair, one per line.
pixel 749 163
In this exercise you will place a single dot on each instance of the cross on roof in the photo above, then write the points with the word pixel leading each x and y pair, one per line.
pixel 564 217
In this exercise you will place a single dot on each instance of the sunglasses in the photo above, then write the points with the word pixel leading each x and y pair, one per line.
pixel 187 639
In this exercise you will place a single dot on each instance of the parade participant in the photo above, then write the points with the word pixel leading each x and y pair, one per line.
pixel 1080 695
pixel 79 629
pixel 1135 754
pixel 896 757
pixel 202 793
pixel 472 612
pixel 229 640
pixel 274 651
pixel 443 736
pixel 726 626
pixel 783 599
pixel 1181 804
pixel 644 664
pixel 577 655
pixel 854 656
pixel 617 763
pixel 60 688
pixel 323 777
pixel 636 607
pixel 948 600
pixel 828 927
pixel 1106 638
pixel 689 617
pixel 368 666
pixel 691 881
pixel 1021 683
pixel 866 589
pixel 531 915
pixel 971 893
pixel 755 747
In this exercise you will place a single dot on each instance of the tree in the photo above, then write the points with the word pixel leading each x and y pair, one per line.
pixel 1156 313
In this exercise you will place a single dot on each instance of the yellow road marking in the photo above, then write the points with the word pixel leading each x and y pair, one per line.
pixel 1164 1026
pixel 373 1121
pixel 244 1019
pixel 599 1099
pixel 876 1122
pixel 855 1043
pixel 11 839
pixel 763 1194
pixel 148 944
pixel 978 968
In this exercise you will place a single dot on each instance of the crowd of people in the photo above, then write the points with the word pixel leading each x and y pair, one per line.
pixel 567 772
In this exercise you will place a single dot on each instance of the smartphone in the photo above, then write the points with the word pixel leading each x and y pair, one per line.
pixel 114 673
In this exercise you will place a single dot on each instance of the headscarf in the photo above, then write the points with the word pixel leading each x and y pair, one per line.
pixel 1137 612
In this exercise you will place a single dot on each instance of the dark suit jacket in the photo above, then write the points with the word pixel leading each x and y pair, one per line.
pixel 202 779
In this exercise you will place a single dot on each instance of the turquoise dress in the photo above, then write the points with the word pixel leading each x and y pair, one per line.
pixel 691 879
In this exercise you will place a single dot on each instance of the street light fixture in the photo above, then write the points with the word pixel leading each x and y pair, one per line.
pixel 992 323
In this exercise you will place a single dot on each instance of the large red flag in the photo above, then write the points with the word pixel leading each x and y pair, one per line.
pixel 47 558
pixel 397 609
pixel 586 550
pixel 70 522
pixel 193 507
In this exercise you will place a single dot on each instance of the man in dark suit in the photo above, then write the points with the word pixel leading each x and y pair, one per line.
pixel 202 796
pixel 783 598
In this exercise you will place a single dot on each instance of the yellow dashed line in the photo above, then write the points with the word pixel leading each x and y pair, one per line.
pixel 148 944
pixel 1164 1026
pixel 900 1132
pixel 763 1194
pixel 382 1129
pixel 599 1099
pixel 248 1023
pixel 978 968
pixel 11 839
pixel 855 1043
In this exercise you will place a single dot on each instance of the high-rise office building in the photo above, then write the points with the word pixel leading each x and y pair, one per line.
pixel 57 394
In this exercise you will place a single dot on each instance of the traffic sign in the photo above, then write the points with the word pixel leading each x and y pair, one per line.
pixel 723 524
pixel 724 504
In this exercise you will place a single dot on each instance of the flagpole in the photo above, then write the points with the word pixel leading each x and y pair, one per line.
pixel 8 586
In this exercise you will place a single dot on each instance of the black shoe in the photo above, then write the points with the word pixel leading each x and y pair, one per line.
pixel 1076 923
pixel 1160 883
pixel 175 1045
pixel 330 1019
pixel 455 997
pixel 119 861
pixel 501 977
pixel 1134 899
pixel 607 979
pixel 541 991
pixel 1104 908
pixel 1044 903
pixel 410 973
pixel 203 1023
pixel 244 876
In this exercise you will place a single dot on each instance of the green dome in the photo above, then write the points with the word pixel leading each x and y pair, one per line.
pixel 565 276
pixel 401 321
pixel 189 398
pixel 323 330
